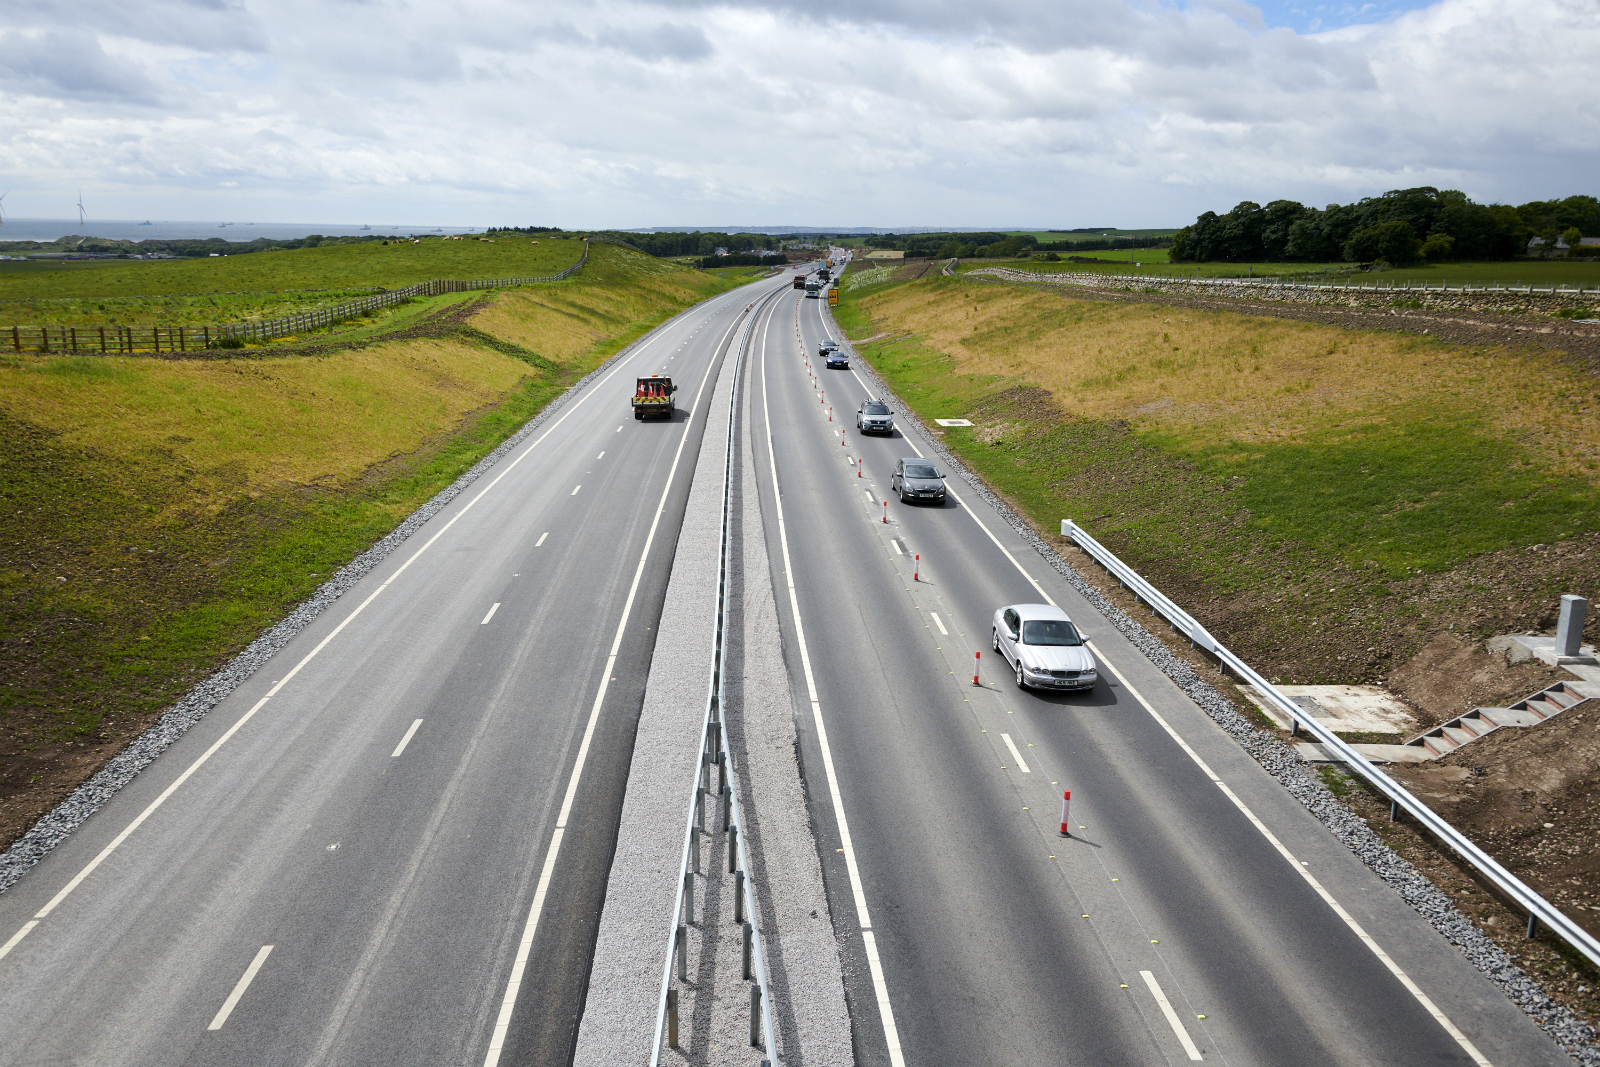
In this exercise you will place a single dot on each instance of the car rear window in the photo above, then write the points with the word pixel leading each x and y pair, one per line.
pixel 1050 632
pixel 875 409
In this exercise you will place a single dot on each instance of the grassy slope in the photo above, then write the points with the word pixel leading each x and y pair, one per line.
pixel 1283 478
pixel 257 284
pixel 1540 272
pixel 162 513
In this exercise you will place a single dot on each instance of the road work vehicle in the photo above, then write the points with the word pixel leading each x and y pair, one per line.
pixel 799 281
pixel 653 396
pixel 813 288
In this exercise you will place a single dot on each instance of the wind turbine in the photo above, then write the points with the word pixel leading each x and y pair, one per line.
pixel 81 215
pixel 3 206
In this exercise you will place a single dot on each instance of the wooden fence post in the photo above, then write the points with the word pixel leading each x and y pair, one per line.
pixel 102 340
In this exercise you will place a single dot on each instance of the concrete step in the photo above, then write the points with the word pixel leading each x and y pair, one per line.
pixel 1312 752
pixel 1479 722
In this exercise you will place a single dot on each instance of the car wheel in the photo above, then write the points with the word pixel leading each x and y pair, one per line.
pixel 1020 683
pixel 994 638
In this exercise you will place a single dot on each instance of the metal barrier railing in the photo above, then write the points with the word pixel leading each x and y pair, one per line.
pixel 1539 910
pixel 715 757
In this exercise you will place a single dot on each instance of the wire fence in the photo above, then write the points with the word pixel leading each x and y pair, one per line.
pixel 1099 280
pixel 127 340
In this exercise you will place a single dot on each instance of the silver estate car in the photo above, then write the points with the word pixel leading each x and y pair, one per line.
pixel 874 416
pixel 917 479
pixel 1043 648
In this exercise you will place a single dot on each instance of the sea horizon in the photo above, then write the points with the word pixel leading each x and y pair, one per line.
pixel 48 230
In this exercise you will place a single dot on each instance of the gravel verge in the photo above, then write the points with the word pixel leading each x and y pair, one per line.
pixel 92 795
pixel 804 973
pixel 1566 1029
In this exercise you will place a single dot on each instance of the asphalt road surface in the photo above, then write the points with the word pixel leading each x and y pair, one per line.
pixel 1197 912
pixel 382 813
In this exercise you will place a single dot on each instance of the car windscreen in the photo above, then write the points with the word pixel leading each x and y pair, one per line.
pixel 1050 632
pixel 875 409
pixel 921 470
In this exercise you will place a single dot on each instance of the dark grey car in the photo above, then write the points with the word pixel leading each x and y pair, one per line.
pixel 874 416
pixel 917 479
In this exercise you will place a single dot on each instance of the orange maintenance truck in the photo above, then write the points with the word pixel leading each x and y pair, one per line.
pixel 653 396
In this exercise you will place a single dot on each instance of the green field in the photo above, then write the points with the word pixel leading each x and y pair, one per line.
pixel 259 284
pixel 176 507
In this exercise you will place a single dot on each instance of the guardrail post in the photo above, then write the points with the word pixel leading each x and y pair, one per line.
pixel 672 1018
pixel 682 949
pixel 1533 926
pixel 688 896
pixel 1394 810
pixel 755 1015
pixel 700 809
pixel 733 848
pixel 738 896
pixel 744 933
pixel 694 848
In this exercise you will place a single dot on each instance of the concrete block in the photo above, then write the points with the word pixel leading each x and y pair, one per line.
pixel 1312 752
pixel 1343 708
pixel 1521 647
pixel 1569 630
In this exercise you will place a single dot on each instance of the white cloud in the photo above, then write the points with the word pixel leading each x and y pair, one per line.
pixel 879 112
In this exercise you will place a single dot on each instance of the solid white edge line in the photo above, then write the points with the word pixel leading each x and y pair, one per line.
pixel 1294 863
pixel 1338 909
pixel 508 1000
pixel 18 936
pixel 359 608
pixel 939 623
pixel 891 1033
pixel 1172 1016
pixel 493 608
pixel 238 990
pixel 1022 764
pixel 404 741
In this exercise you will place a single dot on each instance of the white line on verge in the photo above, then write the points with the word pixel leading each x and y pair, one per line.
pixel 406 740
pixel 602 454
pixel 1172 1016
pixel 939 623
pixel 1338 909
pixel 897 549
pixel 238 990
pixel 492 610
pixel 150 809
pixel 1022 764
pixel 575 490
pixel 508 1002
pixel 542 536
pixel 891 1034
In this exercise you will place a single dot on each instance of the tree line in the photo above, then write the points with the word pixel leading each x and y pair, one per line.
pixel 997 245
pixel 1401 226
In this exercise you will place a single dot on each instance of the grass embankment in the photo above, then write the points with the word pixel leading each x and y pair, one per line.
pixel 1537 272
pixel 256 285
pixel 1322 498
pixel 161 513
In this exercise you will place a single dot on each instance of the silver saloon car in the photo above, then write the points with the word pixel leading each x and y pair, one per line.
pixel 917 479
pixel 1043 648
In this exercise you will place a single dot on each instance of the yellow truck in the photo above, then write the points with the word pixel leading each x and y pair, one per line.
pixel 653 396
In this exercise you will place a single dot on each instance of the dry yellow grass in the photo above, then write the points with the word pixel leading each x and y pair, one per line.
pixel 620 287
pixel 256 424
pixel 1217 376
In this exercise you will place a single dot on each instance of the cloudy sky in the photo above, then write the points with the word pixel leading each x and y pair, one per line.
pixel 885 113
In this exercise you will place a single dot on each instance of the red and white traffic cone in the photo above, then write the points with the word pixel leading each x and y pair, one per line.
pixel 858 466
pixel 830 412
pixel 1066 812
pixel 916 568
pixel 977 659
